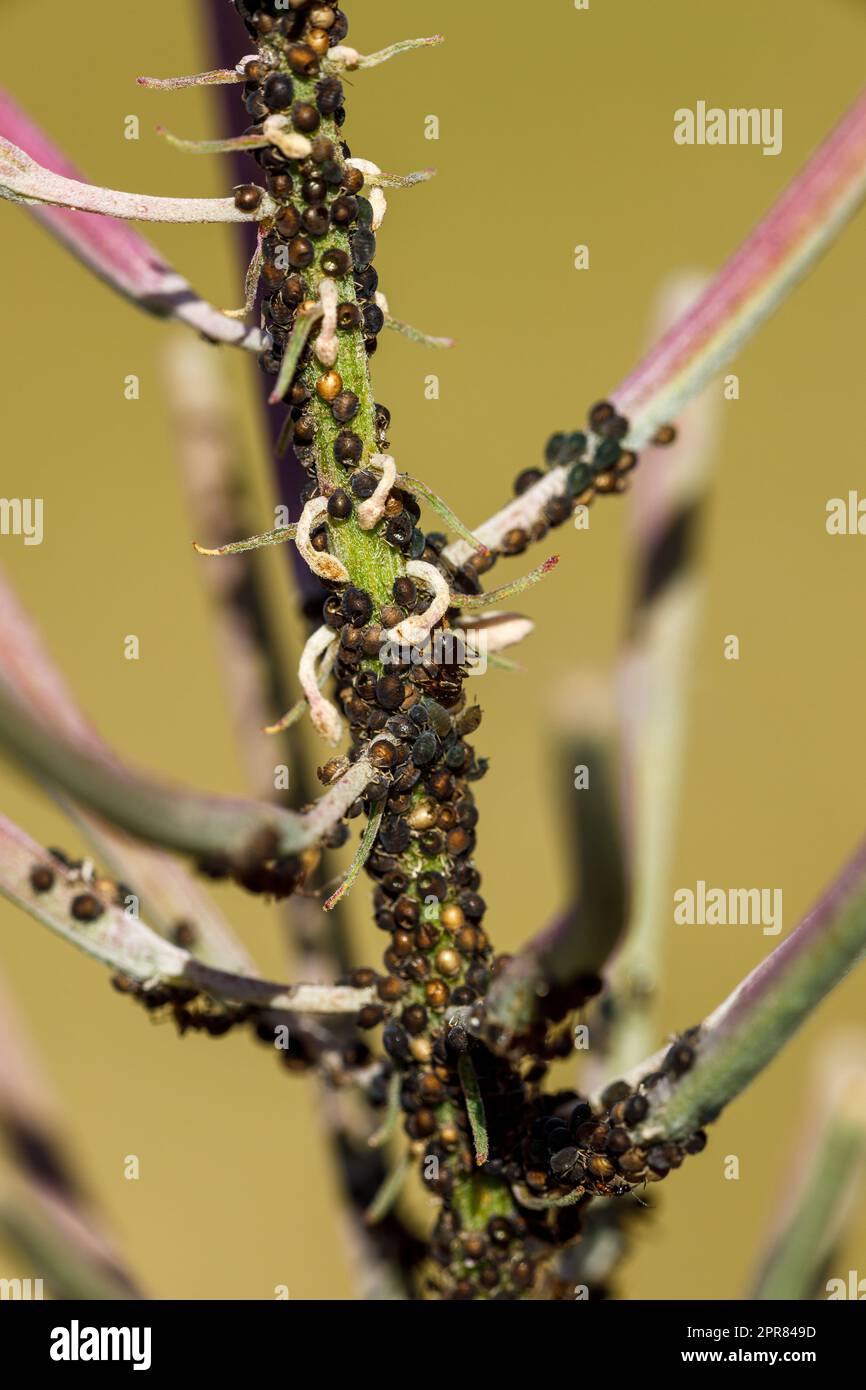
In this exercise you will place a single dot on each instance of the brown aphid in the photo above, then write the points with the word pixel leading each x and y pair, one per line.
pixel 414 1019
pixel 370 1016
pixel 600 414
pixel 423 1123
pixel 383 755
pixel 466 940
pixel 514 541
pixel 302 59
pixel 426 936
pixel 436 993
pixel 247 197
pixel 664 435
pixel 448 961
pixel 322 16
pixel 86 907
pixel 431 1090
pixel 452 917
pixel 318 41
pixel 329 385
pixel 305 117
pixel 449 1135
pixel 606 482
pixel 600 1167
pixel 633 1161
pixel 421 1049
pixel 389 989
pixel 41 878
pixel 422 816
pixel 458 840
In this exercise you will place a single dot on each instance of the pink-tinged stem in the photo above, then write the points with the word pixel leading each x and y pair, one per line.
pixel 754 281
pixel 112 935
pixel 116 252
pixel 745 1032
pixel 767 267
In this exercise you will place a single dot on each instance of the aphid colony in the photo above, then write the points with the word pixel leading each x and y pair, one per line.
pixel 544 1156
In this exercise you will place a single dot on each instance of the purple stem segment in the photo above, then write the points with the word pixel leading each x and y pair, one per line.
pixel 228 38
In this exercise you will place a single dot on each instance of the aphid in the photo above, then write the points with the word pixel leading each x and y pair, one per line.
pixel 348 448
pixel 398 531
pixel 363 245
pixel 600 414
pixel 339 504
pixel 394 836
pixel 383 756
pixel 247 197
pixel 563 1161
pixel 514 541
pixel 329 95
pixel 447 961
pixel 664 435
pixel 356 606
pixel 606 455
pixel 86 908
pixel 389 691
pixel 315 220
pixel 635 1109
pixel 329 386
pixel 370 1016
pixel 301 252
pixel 405 591
pixel 600 1167
pixel 335 262
pixel 436 992
pixel 344 209
pixel 345 406
pixel 318 41
pixel 348 315
pixel 406 910
pixel 679 1058
pixel 389 989
pixel 305 117
pixel 41 878
pixel 302 59
pixel 278 91
pixel 373 319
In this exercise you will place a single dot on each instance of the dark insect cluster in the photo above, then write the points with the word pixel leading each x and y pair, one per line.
pixel 512 1166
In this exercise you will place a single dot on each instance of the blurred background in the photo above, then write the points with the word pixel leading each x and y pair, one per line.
pixel 555 128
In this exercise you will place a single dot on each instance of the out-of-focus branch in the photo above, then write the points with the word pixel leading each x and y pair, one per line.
pixel 742 1036
pixel 825 1181
pixel 574 948
pixel 170 899
pixel 46 1214
pixel 80 911
pixel 668 498
pixel 207 453
pixel 191 822
pixel 116 253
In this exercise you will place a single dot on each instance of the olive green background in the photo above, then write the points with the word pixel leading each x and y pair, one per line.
pixel 555 129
